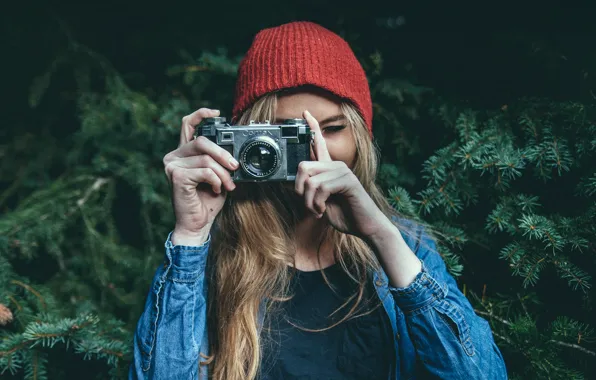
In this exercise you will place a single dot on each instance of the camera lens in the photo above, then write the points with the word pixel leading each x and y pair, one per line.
pixel 259 158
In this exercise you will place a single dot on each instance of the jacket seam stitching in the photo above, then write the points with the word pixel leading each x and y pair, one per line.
pixel 154 323
pixel 464 335
pixel 192 321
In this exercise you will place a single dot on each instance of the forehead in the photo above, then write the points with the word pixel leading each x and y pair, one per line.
pixel 319 103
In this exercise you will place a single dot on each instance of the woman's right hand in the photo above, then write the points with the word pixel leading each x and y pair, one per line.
pixel 198 172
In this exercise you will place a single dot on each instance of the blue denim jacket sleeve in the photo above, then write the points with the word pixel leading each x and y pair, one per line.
pixel 451 341
pixel 169 332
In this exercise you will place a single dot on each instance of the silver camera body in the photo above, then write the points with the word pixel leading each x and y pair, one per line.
pixel 266 152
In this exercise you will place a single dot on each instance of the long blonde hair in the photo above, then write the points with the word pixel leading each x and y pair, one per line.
pixel 249 265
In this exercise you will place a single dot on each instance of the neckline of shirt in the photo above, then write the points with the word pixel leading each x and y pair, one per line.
pixel 315 272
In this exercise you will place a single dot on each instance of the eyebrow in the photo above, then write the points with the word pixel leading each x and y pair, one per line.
pixel 330 119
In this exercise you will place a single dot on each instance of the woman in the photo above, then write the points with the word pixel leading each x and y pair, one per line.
pixel 312 279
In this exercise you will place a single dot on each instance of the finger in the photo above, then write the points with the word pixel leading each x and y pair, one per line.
pixel 190 121
pixel 326 189
pixel 202 145
pixel 320 146
pixel 202 161
pixel 314 184
pixel 184 179
pixel 308 169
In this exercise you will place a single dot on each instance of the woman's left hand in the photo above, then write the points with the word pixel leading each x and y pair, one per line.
pixel 331 190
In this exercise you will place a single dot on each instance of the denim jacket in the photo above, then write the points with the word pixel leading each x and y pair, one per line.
pixel 435 330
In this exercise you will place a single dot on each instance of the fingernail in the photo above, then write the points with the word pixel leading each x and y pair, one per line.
pixel 233 162
pixel 217 111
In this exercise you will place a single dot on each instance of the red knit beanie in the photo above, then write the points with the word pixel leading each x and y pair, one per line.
pixel 301 53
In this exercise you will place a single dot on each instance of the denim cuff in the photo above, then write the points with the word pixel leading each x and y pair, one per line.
pixel 187 262
pixel 420 293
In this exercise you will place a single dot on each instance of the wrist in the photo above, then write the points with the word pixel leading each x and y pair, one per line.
pixel 190 238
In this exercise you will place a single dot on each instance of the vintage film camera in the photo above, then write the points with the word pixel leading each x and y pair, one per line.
pixel 265 152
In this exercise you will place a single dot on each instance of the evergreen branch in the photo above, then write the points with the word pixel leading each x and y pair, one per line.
pixel 99 182
pixel 575 279
pixel 509 323
pixel 466 125
pixel 37 336
pixel 536 265
pixel 492 316
pixel 18 305
pixel 442 157
pixel 590 186
pixel 503 337
pixel 437 193
pixel 81 331
pixel 400 200
pixel 113 353
pixel 14 348
pixel 13 188
pixel 523 305
pixel 451 261
pixel 511 250
pixel 572 345
pixel 565 327
pixel 35 365
pixel 30 289
pixel 40 205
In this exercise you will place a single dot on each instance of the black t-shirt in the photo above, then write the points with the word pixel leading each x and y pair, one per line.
pixel 359 348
